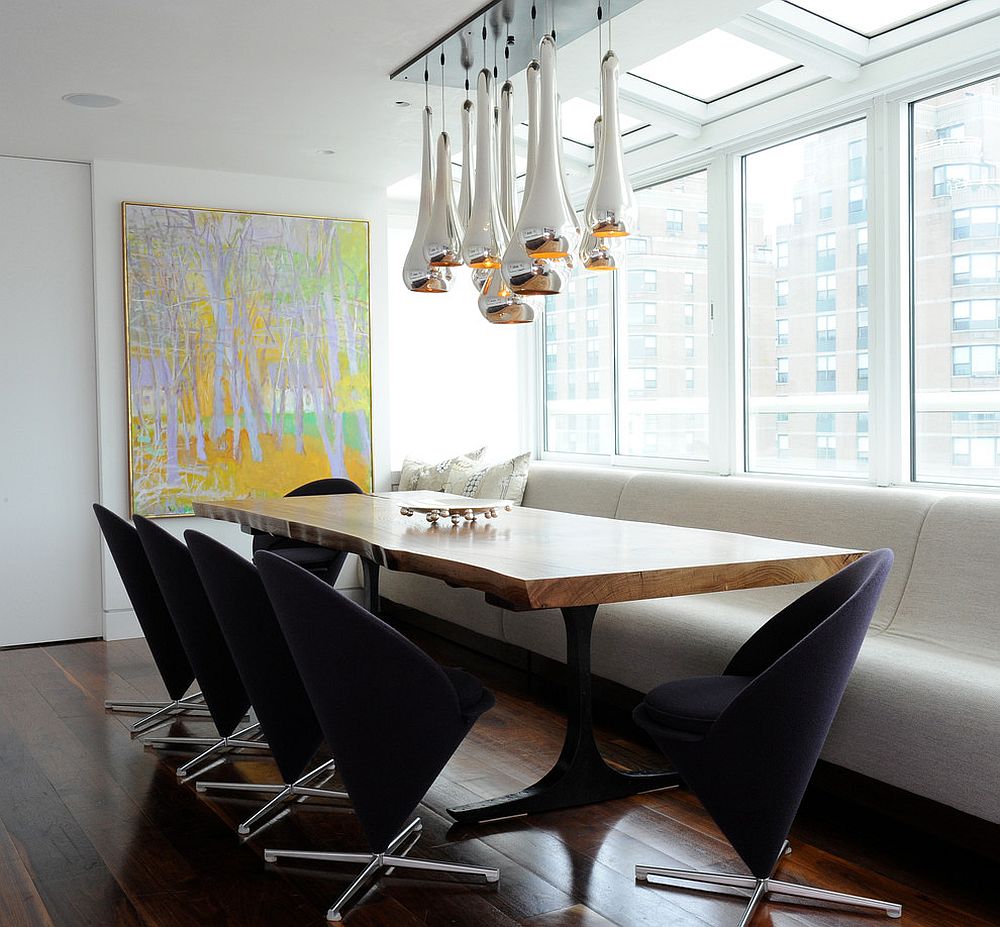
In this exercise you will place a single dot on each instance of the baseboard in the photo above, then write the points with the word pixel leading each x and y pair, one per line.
pixel 121 624
pixel 891 813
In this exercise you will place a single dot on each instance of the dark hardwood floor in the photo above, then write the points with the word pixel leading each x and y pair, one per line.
pixel 95 830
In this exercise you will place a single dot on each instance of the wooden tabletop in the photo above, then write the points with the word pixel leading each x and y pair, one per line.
pixel 531 558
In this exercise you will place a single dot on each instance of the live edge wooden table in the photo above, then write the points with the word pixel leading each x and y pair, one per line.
pixel 531 559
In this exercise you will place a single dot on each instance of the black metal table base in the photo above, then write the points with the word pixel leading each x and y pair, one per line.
pixel 580 775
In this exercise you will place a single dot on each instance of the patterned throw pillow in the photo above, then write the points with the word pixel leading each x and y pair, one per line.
pixel 418 474
pixel 504 480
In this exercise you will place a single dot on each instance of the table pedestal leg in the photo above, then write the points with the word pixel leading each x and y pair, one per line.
pixel 371 597
pixel 580 775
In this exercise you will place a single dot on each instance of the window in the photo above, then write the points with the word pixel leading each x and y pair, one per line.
pixel 826 251
pixel 857 152
pixel 862 448
pixel 637 244
pixel 956 131
pixel 797 210
pixel 951 177
pixel 826 334
pixel 641 314
pixel 826 447
pixel 862 291
pixel 980 453
pixel 977 222
pixel 968 269
pixel 802 384
pixel 641 280
pixel 578 390
pixel 826 292
pixel 781 293
pixel 782 444
pixel 781 254
pixel 862 371
pixel 862 335
pixel 826 373
pixel 826 204
pixel 663 409
pixel 977 360
pixel 781 337
pixel 975 314
pixel 862 246
pixel 857 203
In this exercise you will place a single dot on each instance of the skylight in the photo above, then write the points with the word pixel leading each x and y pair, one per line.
pixel 713 65
pixel 578 117
pixel 871 18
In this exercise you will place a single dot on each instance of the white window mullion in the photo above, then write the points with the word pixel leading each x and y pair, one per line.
pixel 725 389
pixel 888 224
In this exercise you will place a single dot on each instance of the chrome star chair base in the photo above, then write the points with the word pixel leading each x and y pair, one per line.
pixel 217 747
pixel 378 865
pixel 760 889
pixel 284 793
pixel 158 713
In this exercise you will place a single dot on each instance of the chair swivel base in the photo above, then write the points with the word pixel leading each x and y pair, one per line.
pixel 377 865
pixel 217 747
pixel 284 793
pixel 760 889
pixel 157 713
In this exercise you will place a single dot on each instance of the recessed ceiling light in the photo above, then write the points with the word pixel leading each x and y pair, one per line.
pixel 325 151
pixel 91 100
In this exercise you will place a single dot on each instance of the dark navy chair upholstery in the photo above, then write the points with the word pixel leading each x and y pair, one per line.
pixel 747 742
pixel 391 715
pixel 265 665
pixel 158 627
pixel 322 561
pixel 199 631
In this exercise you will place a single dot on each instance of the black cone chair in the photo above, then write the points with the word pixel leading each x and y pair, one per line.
pixel 322 561
pixel 391 715
pixel 199 631
pixel 279 699
pixel 158 627
pixel 746 742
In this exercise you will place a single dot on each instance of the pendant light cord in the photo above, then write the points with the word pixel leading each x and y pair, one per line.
pixel 427 84
pixel 444 126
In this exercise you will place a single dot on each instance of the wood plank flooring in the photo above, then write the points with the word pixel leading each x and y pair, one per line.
pixel 95 831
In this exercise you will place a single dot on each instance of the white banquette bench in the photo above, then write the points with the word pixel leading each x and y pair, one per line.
pixel 922 711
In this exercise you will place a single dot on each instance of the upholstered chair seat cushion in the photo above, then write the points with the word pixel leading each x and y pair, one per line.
pixel 692 705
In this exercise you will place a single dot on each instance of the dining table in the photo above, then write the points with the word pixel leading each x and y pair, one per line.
pixel 528 559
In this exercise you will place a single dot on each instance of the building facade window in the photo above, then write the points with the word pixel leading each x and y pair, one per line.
pixel 782 332
pixel 675 220
pixel 826 334
pixel 826 292
pixel 826 373
pixel 826 251
pixel 826 204
pixel 975 314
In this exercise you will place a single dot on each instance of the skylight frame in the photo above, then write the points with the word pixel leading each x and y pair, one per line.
pixel 935 10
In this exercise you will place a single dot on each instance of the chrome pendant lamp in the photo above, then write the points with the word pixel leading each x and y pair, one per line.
pixel 521 272
pixel 546 226
pixel 443 239
pixel 418 275
pixel 486 235
pixel 508 174
pixel 612 205
pixel 595 253
pixel 501 306
pixel 468 162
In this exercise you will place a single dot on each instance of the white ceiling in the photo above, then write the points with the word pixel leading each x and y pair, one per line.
pixel 241 85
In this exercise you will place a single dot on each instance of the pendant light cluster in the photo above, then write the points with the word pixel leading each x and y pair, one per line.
pixel 517 254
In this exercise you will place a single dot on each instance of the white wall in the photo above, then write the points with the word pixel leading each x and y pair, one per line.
pixel 48 414
pixel 114 182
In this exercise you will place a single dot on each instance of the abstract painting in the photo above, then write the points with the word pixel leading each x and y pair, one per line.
pixel 249 364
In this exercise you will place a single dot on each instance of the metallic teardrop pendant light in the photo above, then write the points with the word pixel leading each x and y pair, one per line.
pixel 595 252
pixel 500 305
pixel 612 209
pixel 486 234
pixel 508 174
pixel 465 189
pixel 547 227
pixel 443 241
pixel 418 275
pixel 521 272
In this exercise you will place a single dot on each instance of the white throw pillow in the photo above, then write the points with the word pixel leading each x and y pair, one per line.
pixel 418 474
pixel 504 480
